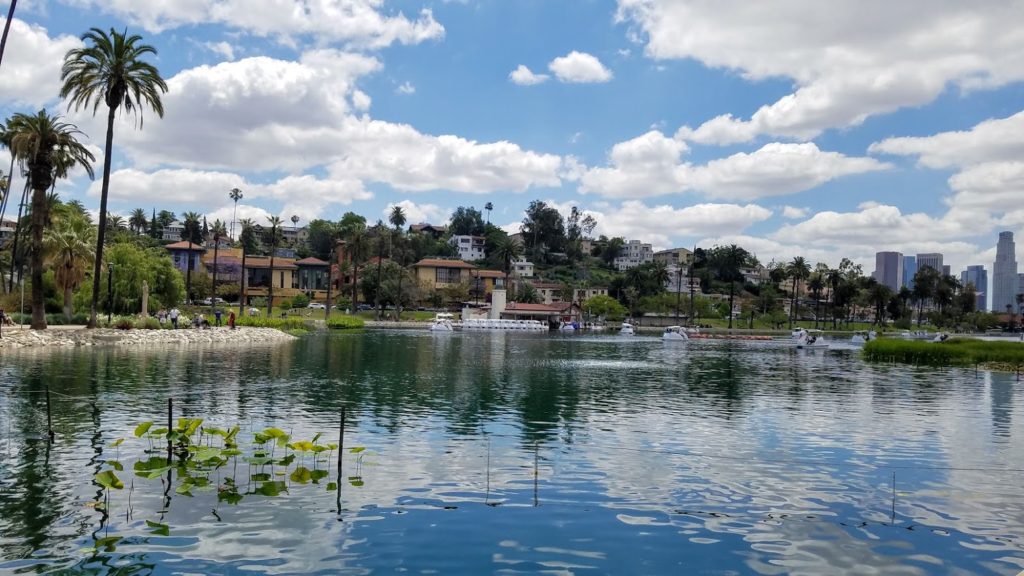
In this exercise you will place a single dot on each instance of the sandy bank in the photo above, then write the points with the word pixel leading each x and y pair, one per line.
pixel 70 337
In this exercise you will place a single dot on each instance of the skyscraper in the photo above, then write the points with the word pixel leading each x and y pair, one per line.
pixel 909 269
pixel 889 269
pixel 1004 273
pixel 978 277
pixel 933 259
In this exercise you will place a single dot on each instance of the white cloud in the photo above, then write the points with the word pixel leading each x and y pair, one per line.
pixel 32 62
pixel 993 140
pixel 359 23
pixel 361 101
pixel 418 213
pixel 650 165
pixel 848 62
pixel 579 68
pixel 222 48
pixel 794 213
pixel 661 225
pixel 524 77
pixel 406 88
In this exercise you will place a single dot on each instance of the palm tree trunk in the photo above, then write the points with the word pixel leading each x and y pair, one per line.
pixel 17 235
pixel 68 297
pixel 38 221
pixel 7 29
pixel 376 293
pixel 355 285
pixel 241 289
pixel 792 304
pixel 102 232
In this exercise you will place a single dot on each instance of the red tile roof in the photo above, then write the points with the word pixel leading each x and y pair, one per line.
pixel 183 245
pixel 522 307
pixel 264 262
pixel 440 263
pixel 489 273
pixel 311 261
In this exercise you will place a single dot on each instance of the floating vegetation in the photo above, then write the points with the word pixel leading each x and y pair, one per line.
pixel 954 352
pixel 345 323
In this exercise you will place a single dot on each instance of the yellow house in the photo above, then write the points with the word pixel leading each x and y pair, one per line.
pixel 438 273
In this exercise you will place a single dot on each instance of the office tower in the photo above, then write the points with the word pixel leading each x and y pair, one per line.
pixel 1004 273
pixel 909 269
pixel 947 270
pixel 933 259
pixel 978 277
pixel 889 269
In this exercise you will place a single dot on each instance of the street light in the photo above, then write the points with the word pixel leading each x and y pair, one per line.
pixel 110 292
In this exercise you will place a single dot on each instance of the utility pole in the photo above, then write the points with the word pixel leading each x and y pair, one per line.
pixel 110 291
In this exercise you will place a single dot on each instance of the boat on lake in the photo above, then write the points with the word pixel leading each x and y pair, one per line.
pixel 862 337
pixel 674 334
pixel 811 340
pixel 917 335
pixel 626 329
pixel 503 324
pixel 443 322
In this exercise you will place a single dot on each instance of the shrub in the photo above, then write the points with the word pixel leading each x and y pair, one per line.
pixel 285 304
pixel 954 352
pixel 124 324
pixel 344 322
pixel 300 301
pixel 292 323
pixel 147 324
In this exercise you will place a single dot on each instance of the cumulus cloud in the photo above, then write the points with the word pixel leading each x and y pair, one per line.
pixel 418 213
pixel 359 23
pixel 993 140
pixel 849 62
pixel 659 225
pixel 406 88
pixel 579 68
pixel 32 61
pixel 650 165
pixel 523 76
pixel 794 213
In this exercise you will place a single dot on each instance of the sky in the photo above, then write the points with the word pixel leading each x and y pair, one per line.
pixel 790 127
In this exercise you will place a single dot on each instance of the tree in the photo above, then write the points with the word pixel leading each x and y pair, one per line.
pixel 577 227
pixel 726 262
pixel 137 221
pixel 488 207
pixel 235 196
pixel 134 265
pixel 605 307
pixel 543 229
pixel 527 294
pixel 275 224
pixel 192 234
pixel 7 29
pixel 357 252
pixel 925 285
pixel 322 235
pixel 69 247
pixel 466 222
pixel 798 270
pixel 879 294
pixel 508 251
pixel 218 232
pixel 47 149
pixel 816 284
pixel 247 238
pixel 397 219
pixel 110 69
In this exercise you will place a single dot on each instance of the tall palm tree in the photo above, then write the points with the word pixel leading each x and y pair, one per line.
pixel 357 249
pixel 138 221
pixel 191 233
pixel 7 29
pixel 218 232
pixel 69 246
pixel 798 270
pixel 508 251
pixel 246 239
pixel 397 219
pixel 275 223
pixel 8 181
pixel 379 228
pixel 235 195
pixel 47 149
pixel 816 283
pixel 488 207
pixel 109 69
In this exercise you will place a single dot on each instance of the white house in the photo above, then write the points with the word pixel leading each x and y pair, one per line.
pixel 633 254
pixel 470 247
pixel 172 232
pixel 523 268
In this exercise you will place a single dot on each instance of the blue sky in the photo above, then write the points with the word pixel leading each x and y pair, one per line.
pixel 790 127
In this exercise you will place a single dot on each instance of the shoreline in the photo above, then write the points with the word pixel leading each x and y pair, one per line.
pixel 79 336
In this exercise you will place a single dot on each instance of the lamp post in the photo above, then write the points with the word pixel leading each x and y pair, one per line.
pixel 22 276
pixel 110 291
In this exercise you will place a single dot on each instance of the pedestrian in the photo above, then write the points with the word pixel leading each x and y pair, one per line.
pixel 231 320
pixel 174 313
pixel 216 315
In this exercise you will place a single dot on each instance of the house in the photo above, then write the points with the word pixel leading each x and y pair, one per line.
pixel 436 273
pixel 259 275
pixel 435 231
pixel 7 228
pixel 549 292
pixel 550 313
pixel 294 236
pixel 469 247
pixel 229 264
pixel 582 294
pixel 173 231
pixel 674 257
pixel 186 255
pixel 483 282
pixel 522 268
pixel 312 274
pixel 633 254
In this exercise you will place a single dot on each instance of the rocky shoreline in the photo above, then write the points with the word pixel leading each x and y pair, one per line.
pixel 72 337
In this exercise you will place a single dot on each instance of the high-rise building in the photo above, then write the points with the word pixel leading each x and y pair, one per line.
pixel 947 270
pixel 1004 273
pixel 909 269
pixel 933 259
pixel 889 269
pixel 977 276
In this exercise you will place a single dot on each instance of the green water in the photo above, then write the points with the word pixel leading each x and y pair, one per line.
pixel 514 453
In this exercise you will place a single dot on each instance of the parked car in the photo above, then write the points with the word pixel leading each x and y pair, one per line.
pixel 364 307
pixel 317 306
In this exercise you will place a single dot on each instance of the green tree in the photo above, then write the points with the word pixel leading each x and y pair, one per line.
pixel 925 284
pixel 816 284
pixel 247 238
pixel 219 232
pixel 605 307
pixel 466 221
pixel 235 194
pixel 132 266
pixel 726 262
pixel 488 207
pixel 508 251
pixel 798 270
pixel 275 225
pixel 191 233
pixel 527 294
pixel 322 235
pixel 69 246
pixel 47 149
pixel 137 221
pixel 543 230
pixel 110 69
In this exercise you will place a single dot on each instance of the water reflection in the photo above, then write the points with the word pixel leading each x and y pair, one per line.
pixel 526 452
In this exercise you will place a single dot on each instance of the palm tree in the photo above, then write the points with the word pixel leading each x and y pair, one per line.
pixel 816 284
pixel 508 251
pixel 397 219
pixel 115 222
pixel 275 222
pixel 218 232
pixel 5 141
pixel 488 207
pixel 110 69
pixel 379 227
pixel 7 29
pixel 357 248
pixel 246 238
pixel 235 195
pixel 193 235
pixel 47 149
pixel 69 247
pixel 798 270
pixel 138 221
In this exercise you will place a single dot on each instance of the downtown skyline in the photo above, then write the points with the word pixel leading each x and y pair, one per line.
pixel 671 123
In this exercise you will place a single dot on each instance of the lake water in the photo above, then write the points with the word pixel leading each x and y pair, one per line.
pixel 514 453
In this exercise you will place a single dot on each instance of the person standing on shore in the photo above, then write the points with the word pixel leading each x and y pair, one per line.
pixel 231 320
pixel 216 315
pixel 174 313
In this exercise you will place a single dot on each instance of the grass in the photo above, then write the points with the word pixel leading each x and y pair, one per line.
pixel 343 322
pixel 954 352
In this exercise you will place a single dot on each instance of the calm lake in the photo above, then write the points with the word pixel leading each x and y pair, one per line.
pixel 517 453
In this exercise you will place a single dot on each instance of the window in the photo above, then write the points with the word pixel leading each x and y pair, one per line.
pixel 447 275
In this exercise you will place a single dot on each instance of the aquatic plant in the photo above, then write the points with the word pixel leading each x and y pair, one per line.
pixel 345 323
pixel 953 352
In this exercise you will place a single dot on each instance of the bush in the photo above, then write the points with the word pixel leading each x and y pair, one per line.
pixel 344 322
pixel 147 323
pixel 300 301
pixel 293 323
pixel 954 352
pixel 124 324
pixel 285 304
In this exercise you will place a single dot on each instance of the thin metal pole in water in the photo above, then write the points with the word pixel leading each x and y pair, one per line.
pixel 170 412
pixel 49 418
pixel 536 450
pixel 893 520
pixel 341 446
